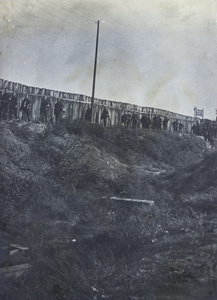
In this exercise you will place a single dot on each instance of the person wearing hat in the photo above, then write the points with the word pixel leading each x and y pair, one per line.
pixel 25 106
pixel 5 101
pixel 13 107
pixel 105 116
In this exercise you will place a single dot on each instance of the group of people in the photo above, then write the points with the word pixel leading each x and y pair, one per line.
pixel 104 115
pixel 9 108
pixel 177 126
pixel 45 104
pixel 132 120
pixel 205 128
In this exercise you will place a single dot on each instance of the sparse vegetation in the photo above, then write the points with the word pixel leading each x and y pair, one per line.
pixel 56 183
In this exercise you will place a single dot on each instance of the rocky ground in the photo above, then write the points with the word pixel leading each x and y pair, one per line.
pixel 63 237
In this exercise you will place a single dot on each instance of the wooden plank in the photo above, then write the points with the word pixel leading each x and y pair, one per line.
pixel 19 247
pixel 150 202
pixel 16 271
pixel 12 252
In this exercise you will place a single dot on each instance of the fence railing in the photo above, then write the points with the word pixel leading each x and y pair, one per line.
pixel 75 105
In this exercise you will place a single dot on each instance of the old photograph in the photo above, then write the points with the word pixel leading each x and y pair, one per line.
pixel 108 149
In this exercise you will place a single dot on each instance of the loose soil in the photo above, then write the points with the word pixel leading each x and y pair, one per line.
pixel 55 189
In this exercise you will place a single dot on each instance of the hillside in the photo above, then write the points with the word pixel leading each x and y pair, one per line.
pixel 56 182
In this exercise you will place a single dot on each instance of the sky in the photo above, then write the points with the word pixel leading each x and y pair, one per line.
pixel 159 53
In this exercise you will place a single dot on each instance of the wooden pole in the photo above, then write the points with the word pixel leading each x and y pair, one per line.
pixel 94 72
pixel 150 202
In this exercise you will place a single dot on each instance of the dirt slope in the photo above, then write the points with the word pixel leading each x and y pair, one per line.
pixel 55 185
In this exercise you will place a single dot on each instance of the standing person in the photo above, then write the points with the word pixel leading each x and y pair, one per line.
pixel 5 101
pixel 146 122
pixel 104 116
pixel 88 114
pixel 143 121
pixel 128 121
pixel 124 119
pixel 165 123
pixel 159 121
pixel 13 107
pixel 25 106
pixel 175 125
pixel 134 120
pixel 43 109
pixel 181 127
pixel 193 129
pixel 155 122
pixel 58 109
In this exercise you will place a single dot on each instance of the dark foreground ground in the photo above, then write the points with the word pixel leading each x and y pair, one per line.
pixel 62 237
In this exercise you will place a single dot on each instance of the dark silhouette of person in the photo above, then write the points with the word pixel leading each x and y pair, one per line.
pixel 146 122
pixel 25 106
pixel 43 109
pixel 175 125
pixel 88 114
pixel 58 109
pixel 128 121
pixel 5 101
pixel 13 105
pixel 105 116
pixel 155 122
pixel 193 129
pixel 165 123
pixel 124 119
pixel 159 121
pixel 181 127
pixel 198 128
pixel 134 120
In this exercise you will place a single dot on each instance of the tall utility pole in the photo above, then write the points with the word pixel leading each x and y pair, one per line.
pixel 94 72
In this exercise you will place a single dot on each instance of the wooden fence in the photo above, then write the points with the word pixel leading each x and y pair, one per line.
pixel 75 105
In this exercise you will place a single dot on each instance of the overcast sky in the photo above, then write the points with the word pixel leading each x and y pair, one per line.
pixel 159 53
